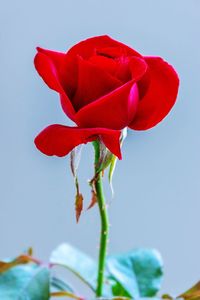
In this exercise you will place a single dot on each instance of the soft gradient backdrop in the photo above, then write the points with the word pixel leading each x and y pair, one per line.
pixel 157 190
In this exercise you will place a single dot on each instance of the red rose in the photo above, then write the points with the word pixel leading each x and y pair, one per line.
pixel 104 86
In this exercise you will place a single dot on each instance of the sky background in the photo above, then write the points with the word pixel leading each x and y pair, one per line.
pixel 157 189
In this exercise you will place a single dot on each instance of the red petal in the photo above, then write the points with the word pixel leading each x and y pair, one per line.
pixel 93 82
pixel 115 110
pixel 51 67
pixel 118 67
pixel 47 68
pixel 140 73
pixel 105 63
pixel 138 67
pixel 87 47
pixel 124 68
pixel 160 97
pixel 59 140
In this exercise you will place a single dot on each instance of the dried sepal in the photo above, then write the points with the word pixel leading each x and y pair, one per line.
pixel 79 206
pixel 93 199
pixel 75 157
pixel 113 160
pixel 78 201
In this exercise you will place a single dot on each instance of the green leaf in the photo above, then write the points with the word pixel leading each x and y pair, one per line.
pixel 118 290
pixel 138 272
pixel 77 262
pixel 105 159
pixel 111 171
pixel 27 282
pixel 113 160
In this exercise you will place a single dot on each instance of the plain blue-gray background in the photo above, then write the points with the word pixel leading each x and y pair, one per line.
pixel 157 191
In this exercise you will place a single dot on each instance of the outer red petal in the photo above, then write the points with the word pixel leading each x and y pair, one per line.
pixel 138 67
pixel 93 82
pixel 59 140
pixel 50 66
pixel 160 96
pixel 114 110
pixel 87 47
pixel 140 73
pixel 47 68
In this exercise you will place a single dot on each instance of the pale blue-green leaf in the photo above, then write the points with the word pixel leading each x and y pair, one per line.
pixel 139 272
pixel 27 282
pixel 58 285
pixel 77 262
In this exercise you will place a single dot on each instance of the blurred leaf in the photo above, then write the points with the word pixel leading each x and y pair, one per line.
pixel 28 251
pixel 28 282
pixel 166 296
pixel 192 294
pixel 58 285
pixel 77 262
pixel 138 272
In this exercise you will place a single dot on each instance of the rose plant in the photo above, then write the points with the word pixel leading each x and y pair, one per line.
pixel 104 87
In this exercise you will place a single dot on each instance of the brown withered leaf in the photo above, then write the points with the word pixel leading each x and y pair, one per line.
pixel 30 251
pixel 167 297
pixel 22 259
pixel 75 156
pixel 192 294
pixel 93 200
pixel 66 294
pixel 78 205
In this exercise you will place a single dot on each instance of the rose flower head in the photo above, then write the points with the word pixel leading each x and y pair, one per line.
pixel 104 87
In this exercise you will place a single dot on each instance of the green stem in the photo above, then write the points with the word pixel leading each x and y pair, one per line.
pixel 104 224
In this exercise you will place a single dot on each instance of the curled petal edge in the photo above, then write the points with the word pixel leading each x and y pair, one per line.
pixel 59 140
